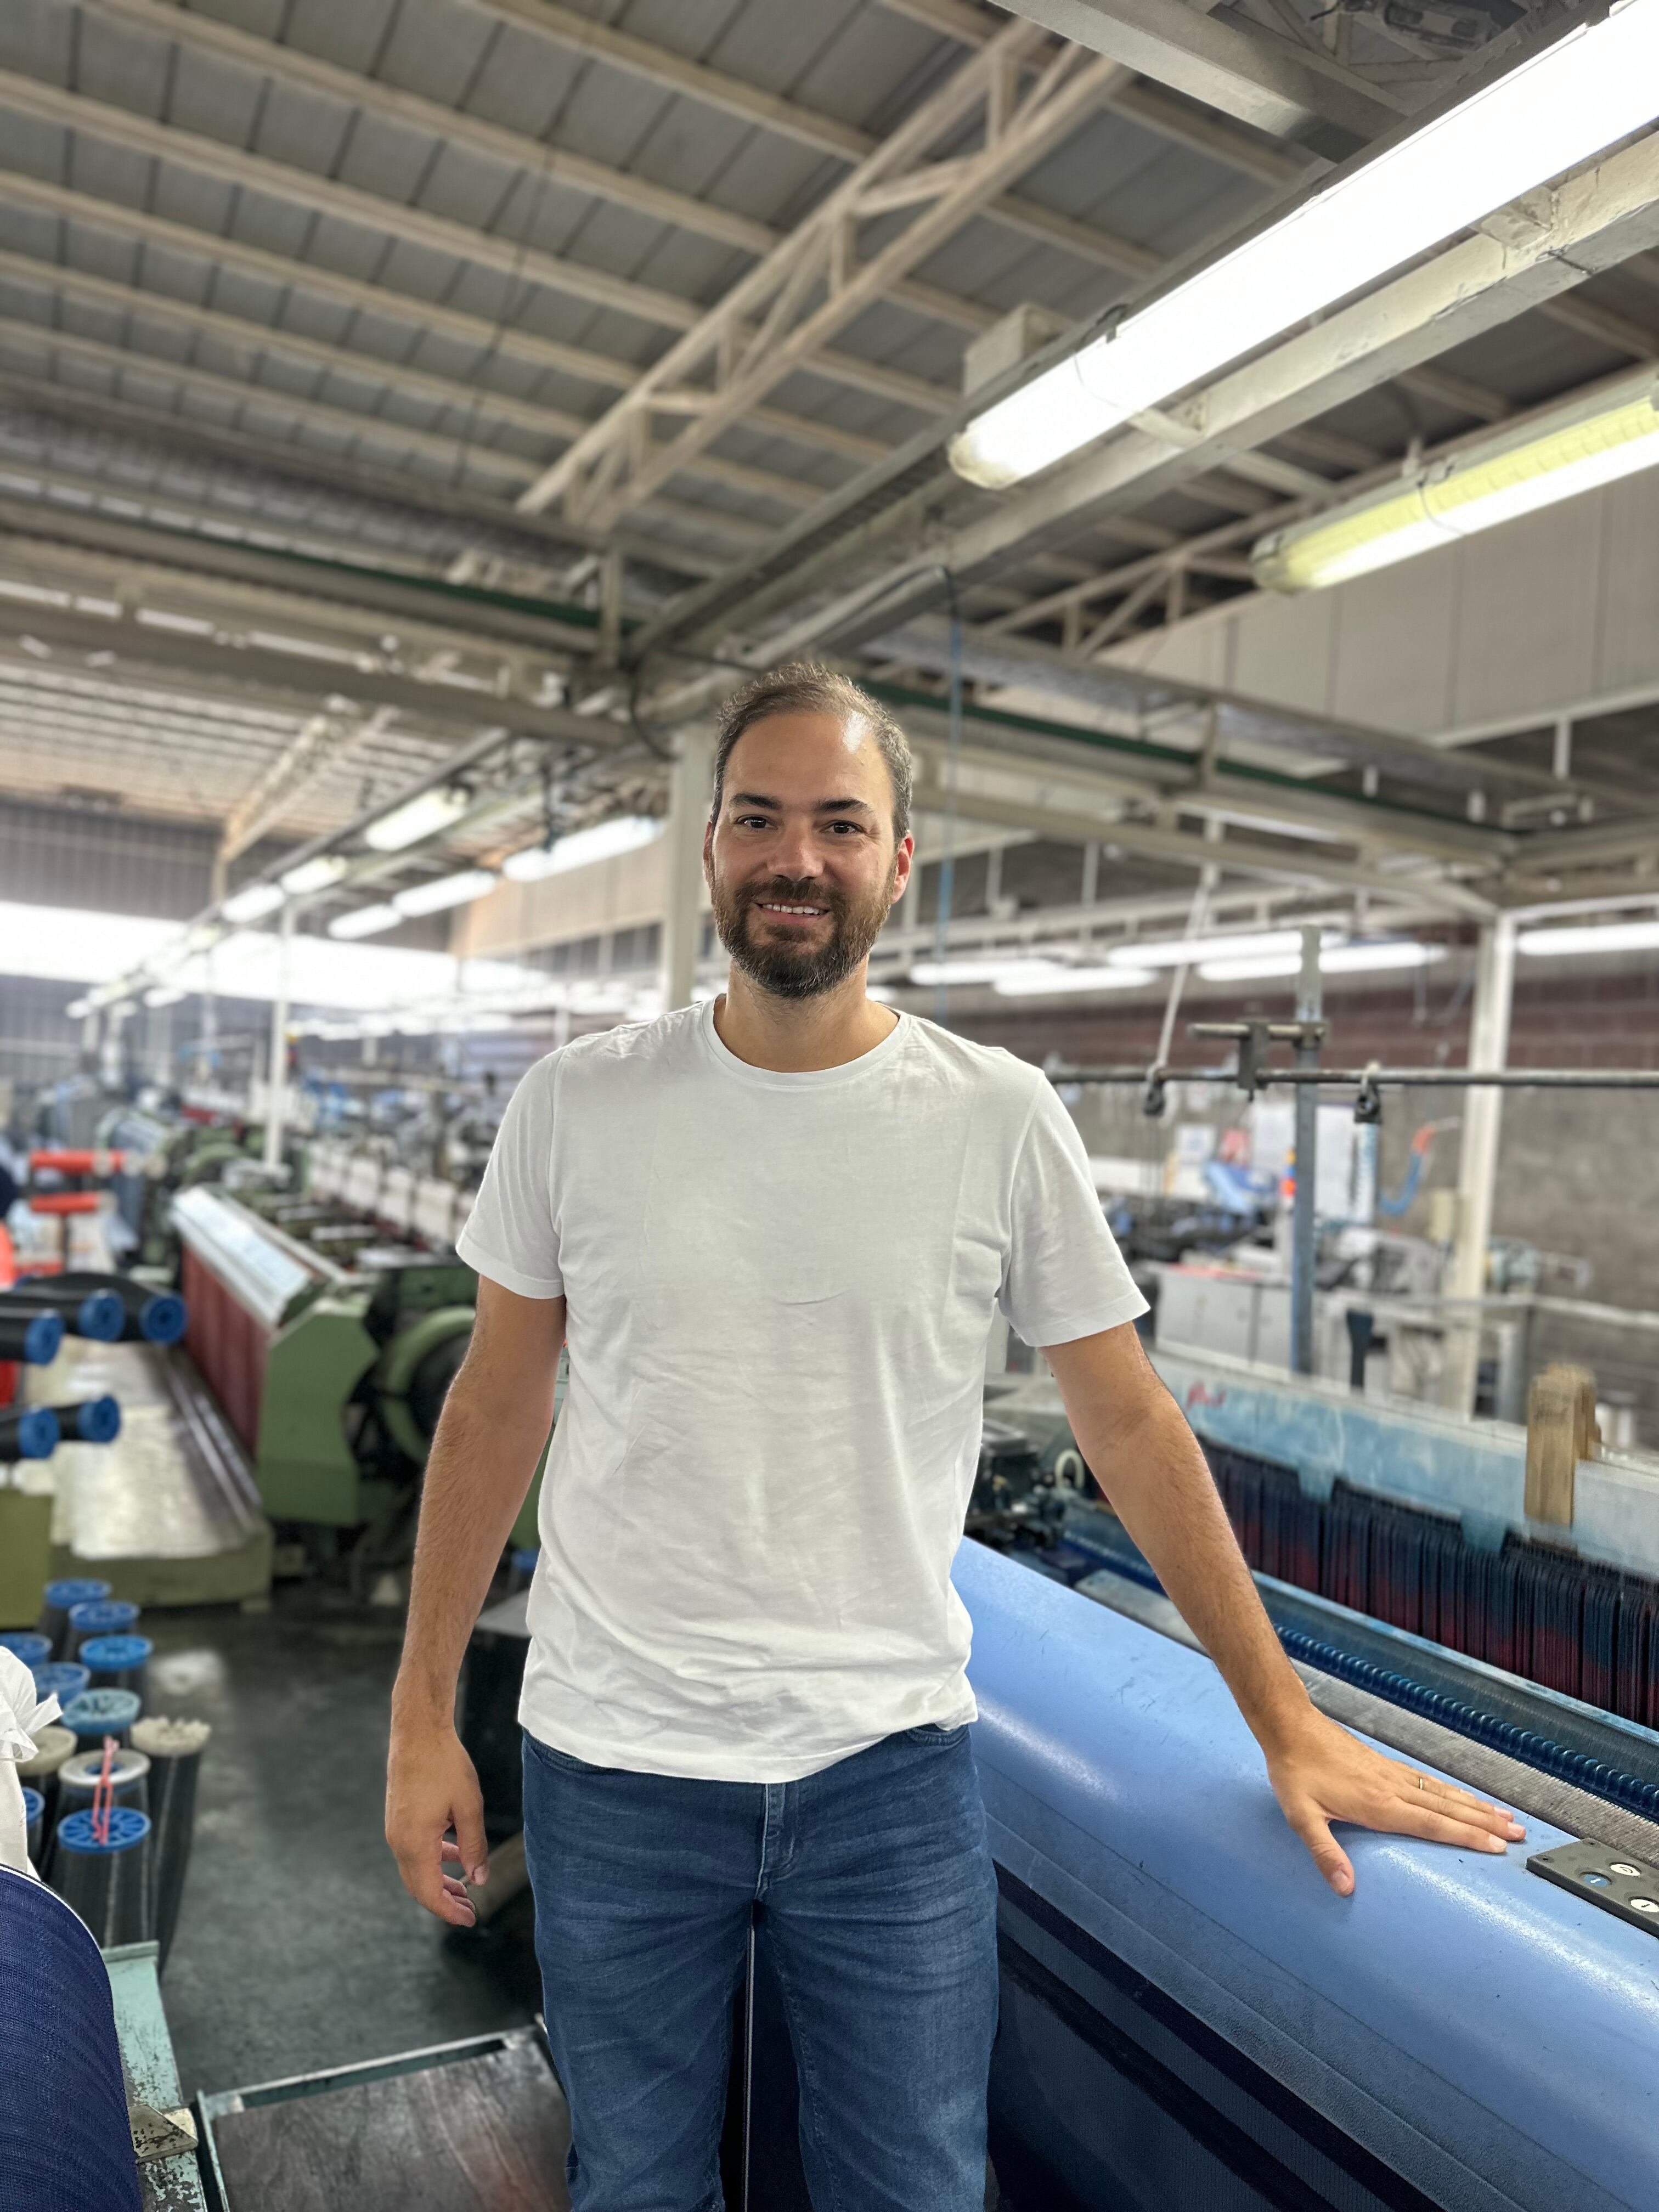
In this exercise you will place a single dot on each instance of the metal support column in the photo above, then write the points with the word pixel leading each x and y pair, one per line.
pixel 688 790
pixel 1303 1244
pixel 277 1071
pixel 1477 1164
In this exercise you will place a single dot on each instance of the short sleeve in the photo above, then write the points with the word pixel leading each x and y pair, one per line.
pixel 513 1236
pixel 1064 1277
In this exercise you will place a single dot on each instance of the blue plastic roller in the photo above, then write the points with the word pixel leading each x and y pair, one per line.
pixel 1467 2026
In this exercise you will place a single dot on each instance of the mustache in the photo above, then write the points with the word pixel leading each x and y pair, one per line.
pixel 791 890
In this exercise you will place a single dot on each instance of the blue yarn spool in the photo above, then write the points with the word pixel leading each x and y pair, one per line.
pixel 97 1713
pixel 27 1645
pixel 164 1318
pixel 117 1662
pixel 34 1819
pixel 101 1316
pixel 102 1866
pixel 65 2140
pixel 73 1590
pixel 100 1616
pixel 63 1679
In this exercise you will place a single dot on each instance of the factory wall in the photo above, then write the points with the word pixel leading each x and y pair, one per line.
pixel 1548 613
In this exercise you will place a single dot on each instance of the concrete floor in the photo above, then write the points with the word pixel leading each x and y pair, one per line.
pixel 297 1947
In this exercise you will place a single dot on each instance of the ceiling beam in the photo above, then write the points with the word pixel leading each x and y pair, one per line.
pixel 676 73
pixel 323 745
pixel 1243 71
pixel 767 325
pixel 140 228
pixel 251 342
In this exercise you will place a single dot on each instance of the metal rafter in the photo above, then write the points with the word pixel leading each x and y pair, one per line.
pixel 776 317
pixel 427 317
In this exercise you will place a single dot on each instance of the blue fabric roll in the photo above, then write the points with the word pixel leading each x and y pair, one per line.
pixel 65 2140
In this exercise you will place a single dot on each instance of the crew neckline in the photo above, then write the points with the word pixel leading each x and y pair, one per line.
pixel 798 1080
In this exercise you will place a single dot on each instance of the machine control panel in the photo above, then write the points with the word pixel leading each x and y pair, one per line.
pixel 1612 1878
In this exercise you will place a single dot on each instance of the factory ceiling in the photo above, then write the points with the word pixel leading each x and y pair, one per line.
pixel 375 381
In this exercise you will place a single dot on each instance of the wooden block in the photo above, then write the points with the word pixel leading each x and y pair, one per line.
pixel 1560 1431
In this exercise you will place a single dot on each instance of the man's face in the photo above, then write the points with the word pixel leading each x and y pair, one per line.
pixel 801 862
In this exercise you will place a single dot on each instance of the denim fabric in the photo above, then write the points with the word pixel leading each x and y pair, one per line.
pixel 877 1899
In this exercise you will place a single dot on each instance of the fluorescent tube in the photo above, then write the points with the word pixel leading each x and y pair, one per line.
pixel 445 891
pixel 1043 982
pixel 1334 960
pixel 164 995
pixel 625 834
pixel 252 905
pixel 1591 87
pixel 423 816
pixel 970 968
pixel 364 921
pixel 1184 951
pixel 316 874
pixel 1572 451
pixel 1602 937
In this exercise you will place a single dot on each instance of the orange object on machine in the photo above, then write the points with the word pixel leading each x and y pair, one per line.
pixel 64 1201
pixel 83 1162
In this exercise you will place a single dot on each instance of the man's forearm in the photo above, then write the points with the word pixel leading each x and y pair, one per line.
pixel 478 1473
pixel 1161 1489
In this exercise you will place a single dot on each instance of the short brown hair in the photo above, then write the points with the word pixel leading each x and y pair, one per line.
pixel 805 688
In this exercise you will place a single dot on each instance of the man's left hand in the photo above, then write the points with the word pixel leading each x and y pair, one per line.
pixel 1319 1773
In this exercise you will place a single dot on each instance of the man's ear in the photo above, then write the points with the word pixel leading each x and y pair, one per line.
pixel 709 852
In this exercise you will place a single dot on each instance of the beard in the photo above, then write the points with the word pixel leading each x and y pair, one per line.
pixel 790 971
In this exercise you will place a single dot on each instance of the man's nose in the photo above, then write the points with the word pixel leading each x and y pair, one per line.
pixel 796 852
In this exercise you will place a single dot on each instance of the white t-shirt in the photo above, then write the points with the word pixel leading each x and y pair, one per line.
pixel 780 1292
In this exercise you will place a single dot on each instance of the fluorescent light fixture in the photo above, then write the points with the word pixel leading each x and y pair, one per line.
pixel 1591 87
pixel 604 842
pixel 164 995
pixel 1186 952
pixel 320 873
pixel 253 904
pixel 423 816
pixel 1573 450
pixel 445 891
pixel 78 1010
pixel 1039 981
pixel 1603 937
pixel 1334 960
pixel 983 967
pixel 364 921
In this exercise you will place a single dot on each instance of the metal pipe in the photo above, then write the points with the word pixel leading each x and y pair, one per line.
pixel 277 1087
pixel 1394 1078
pixel 690 781
pixel 1308 1001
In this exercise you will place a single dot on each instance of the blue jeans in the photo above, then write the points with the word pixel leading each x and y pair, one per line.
pixel 877 1897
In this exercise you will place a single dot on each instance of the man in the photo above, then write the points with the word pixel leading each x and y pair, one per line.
pixel 776 1228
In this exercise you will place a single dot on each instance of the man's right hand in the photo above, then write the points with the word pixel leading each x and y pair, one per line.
pixel 432 1787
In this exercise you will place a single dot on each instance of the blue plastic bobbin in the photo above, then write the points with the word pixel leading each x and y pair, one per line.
pixel 78 1831
pixel 37 1432
pixel 99 1713
pixel 75 1590
pixel 41 1339
pixel 63 1679
pixel 115 1655
pixel 101 1316
pixel 27 1645
pixel 102 1616
pixel 96 1420
pixel 164 1318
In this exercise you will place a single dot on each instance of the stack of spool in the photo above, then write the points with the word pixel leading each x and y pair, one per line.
pixel 173 1748
pixel 29 1646
pixel 66 2142
pixel 98 1617
pixel 103 1866
pixel 63 1679
pixel 61 1599
pixel 52 1746
pixel 117 1662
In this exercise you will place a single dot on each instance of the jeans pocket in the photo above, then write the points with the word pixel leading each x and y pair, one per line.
pixel 935 1735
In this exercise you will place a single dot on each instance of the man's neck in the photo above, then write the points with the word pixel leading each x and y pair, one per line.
pixel 797 1037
